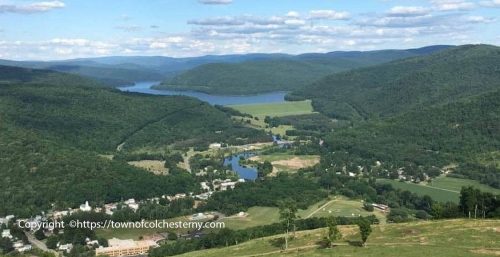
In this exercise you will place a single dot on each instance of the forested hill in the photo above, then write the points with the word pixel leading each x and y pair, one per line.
pixel 282 74
pixel 53 132
pixel 10 74
pixel 388 89
pixel 465 133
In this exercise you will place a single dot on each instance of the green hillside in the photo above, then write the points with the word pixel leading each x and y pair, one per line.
pixel 408 84
pixel 437 238
pixel 282 74
pixel 53 132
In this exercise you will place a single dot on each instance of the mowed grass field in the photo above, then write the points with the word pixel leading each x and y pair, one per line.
pixel 442 189
pixel 338 206
pixel 276 109
pixel 450 238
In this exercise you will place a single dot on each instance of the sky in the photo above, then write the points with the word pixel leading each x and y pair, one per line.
pixel 64 29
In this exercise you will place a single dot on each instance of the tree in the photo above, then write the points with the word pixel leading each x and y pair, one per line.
pixel 365 229
pixel 333 232
pixel 52 242
pixel 288 215
pixel 39 234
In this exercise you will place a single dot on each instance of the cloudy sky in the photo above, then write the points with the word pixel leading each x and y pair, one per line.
pixel 62 29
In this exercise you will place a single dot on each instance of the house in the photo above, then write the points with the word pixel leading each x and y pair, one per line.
pixel 215 146
pixel 65 248
pixel 24 248
pixel 198 216
pixel 85 207
pixel 132 204
pixel 204 186
pixel 381 207
pixel 6 233
pixel 129 247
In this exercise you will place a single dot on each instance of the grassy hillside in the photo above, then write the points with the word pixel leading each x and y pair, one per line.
pixel 288 73
pixel 409 84
pixel 53 132
pixel 457 238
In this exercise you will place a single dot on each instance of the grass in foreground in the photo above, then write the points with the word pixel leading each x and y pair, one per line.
pixel 454 238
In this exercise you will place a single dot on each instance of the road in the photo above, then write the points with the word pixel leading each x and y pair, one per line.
pixel 39 244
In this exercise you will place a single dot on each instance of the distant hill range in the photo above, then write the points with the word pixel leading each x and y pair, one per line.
pixel 228 74
pixel 413 83
pixel 282 72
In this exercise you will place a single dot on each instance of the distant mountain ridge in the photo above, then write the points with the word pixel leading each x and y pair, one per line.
pixel 122 70
pixel 408 84
pixel 282 73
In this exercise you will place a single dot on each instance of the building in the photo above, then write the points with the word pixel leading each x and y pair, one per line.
pixel 6 233
pixel 119 247
pixel 85 207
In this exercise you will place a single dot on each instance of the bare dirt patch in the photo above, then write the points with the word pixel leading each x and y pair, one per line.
pixel 156 167
pixel 296 163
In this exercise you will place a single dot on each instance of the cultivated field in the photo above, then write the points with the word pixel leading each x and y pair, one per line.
pixel 451 238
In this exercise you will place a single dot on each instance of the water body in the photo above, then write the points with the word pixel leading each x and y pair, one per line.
pixel 247 173
pixel 145 87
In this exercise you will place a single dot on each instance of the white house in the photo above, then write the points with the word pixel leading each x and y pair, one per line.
pixel 85 207
pixel 6 233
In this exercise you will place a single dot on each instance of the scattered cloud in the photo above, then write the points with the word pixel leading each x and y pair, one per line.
pixel 408 11
pixel 215 2
pixel 453 5
pixel 328 15
pixel 491 3
pixel 479 19
pixel 129 28
pixel 35 7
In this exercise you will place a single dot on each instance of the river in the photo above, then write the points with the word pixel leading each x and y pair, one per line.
pixel 145 88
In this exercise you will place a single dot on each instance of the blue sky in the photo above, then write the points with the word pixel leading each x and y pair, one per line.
pixel 62 29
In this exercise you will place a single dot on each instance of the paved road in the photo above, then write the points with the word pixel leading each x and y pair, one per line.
pixel 39 244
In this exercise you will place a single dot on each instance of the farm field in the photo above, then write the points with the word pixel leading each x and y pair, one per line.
pixel 441 189
pixel 273 110
pixel 457 238
pixel 276 109
pixel 456 184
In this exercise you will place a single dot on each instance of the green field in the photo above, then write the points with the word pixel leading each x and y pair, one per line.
pixel 276 109
pixel 442 189
pixel 338 206
pixel 450 238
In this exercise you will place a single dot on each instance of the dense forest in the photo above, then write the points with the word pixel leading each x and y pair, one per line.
pixel 281 74
pixel 55 126
pixel 413 83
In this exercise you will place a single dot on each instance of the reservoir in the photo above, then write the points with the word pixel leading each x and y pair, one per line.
pixel 145 88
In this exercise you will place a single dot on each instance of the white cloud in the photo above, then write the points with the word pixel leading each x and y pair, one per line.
pixel 35 7
pixel 403 11
pixel 479 19
pixel 328 15
pixel 453 5
pixel 491 3
pixel 215 2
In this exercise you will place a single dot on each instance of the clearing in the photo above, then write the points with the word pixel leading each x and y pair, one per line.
pixel 288 162
pixel 156 167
